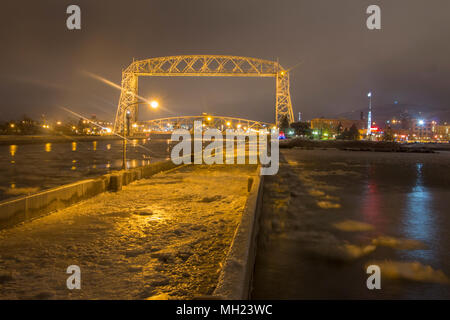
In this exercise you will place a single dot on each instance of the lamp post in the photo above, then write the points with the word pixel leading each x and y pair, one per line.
pixel 369 116
pixel 153 104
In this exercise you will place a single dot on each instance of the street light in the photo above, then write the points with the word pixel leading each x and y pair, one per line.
pixel 153 104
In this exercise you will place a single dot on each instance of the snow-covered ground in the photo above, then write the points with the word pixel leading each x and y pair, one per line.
pixel 160 237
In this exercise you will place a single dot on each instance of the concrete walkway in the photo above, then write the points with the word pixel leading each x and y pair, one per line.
pixel 165 236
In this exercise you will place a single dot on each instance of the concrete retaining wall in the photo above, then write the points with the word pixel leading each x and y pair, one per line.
pixel 28 207
pixel 236 275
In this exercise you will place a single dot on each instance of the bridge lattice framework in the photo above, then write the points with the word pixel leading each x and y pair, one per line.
pixel 202 66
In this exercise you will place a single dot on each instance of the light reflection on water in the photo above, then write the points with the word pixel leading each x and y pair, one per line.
pixel 47 165
pixel 418 219
pixel 48 147
pixel 371 203
pixel 12 150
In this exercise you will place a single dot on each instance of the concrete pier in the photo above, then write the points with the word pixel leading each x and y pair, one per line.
pixel 163 237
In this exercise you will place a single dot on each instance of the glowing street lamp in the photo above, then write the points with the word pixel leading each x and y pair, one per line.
pixel 153 104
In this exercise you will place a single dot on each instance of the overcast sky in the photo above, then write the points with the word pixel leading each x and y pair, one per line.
pixel 43 64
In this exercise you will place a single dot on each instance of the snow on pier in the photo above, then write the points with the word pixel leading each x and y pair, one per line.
pixel 165 236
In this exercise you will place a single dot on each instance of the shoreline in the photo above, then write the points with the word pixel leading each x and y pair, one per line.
pixel 361 145
pixel 36 139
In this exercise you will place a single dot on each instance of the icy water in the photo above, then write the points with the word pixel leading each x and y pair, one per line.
pixel 28 168
pixel 329 214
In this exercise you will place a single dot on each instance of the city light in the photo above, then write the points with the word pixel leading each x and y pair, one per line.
pixel 154 104
pixel 369 94
pixel 421 122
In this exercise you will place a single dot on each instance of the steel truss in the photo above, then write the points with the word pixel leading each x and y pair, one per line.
pixel 202 66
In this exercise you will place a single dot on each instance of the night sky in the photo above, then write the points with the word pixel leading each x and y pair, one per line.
pixel 44 66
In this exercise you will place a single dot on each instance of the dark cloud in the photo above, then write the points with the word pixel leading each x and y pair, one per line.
pixel 42 62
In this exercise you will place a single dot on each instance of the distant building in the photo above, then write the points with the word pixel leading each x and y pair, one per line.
pixel 443 131
pixel 420 130
pixel 423 129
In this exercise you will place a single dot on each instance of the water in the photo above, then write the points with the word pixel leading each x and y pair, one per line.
pixel 28 168
pixel 402 199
